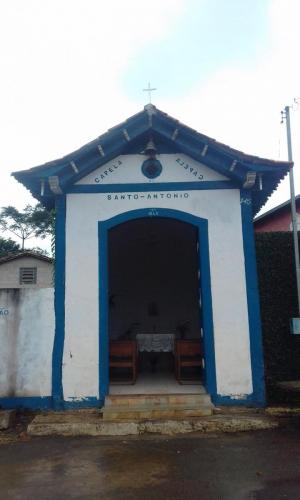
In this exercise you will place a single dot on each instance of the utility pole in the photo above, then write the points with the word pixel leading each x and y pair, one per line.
pixel 286 115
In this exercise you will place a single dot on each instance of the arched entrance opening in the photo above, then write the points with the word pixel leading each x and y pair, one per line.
pixel 108 301
pixel 154 301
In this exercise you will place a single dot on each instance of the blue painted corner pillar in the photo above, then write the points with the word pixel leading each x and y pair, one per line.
pixel 256 345
pixel 59 302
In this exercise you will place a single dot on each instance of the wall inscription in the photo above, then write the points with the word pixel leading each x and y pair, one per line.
pixel 146 196
pixel 139 168
pixel 108 171
pixel 191 170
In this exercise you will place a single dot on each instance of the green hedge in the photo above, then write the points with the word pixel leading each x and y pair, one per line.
pixel 278 300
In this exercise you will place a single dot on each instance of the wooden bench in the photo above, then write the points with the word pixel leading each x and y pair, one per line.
pixel 188 353
pixel 123 354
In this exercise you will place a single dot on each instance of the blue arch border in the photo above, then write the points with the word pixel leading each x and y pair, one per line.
pixel 204 265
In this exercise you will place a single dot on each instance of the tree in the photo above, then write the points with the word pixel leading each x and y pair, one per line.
pixel 8 246
pixel 34 221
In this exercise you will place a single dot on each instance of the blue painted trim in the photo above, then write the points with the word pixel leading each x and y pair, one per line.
pixel 152 186
pixel 206 300
pixel 34 403
pixel 256 345
pixel 103 228
pixel 46 403
pixel 59 302
pixel 208 340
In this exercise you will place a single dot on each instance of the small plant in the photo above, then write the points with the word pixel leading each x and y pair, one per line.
pixel 183 327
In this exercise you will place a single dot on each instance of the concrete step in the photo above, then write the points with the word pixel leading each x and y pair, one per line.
pixel 161 412
pixel 90 423
pixel 156 400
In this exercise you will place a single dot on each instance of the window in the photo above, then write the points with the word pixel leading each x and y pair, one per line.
pixel 28 275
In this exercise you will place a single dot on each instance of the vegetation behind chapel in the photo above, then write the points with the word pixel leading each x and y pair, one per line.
pixel 278 300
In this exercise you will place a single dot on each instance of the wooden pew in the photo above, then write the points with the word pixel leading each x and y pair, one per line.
pixel 188 353
pixel 123 354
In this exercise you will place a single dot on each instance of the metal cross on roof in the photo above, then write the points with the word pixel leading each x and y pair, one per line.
pixel 149 90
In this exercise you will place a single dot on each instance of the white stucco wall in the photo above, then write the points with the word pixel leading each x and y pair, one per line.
pixel 230 315
pixel 26 339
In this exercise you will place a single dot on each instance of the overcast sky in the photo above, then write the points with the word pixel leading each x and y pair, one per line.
pixel 71 69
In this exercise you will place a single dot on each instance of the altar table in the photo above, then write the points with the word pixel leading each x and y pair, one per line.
pixel 156 342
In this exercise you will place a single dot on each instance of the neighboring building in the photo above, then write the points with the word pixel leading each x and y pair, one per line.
pixel 154 235
pixel 278 218
pixel 26 270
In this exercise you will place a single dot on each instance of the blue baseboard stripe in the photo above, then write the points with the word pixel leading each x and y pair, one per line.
pixel 34 403
pixel 47 403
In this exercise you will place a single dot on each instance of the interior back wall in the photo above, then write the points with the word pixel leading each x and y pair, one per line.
pixel 153 278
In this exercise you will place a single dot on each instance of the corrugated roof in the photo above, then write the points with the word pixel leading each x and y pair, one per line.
pixel 276 209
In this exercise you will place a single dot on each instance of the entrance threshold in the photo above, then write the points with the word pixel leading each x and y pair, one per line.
pixel 157 383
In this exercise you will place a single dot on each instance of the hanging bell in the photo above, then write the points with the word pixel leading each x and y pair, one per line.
pixel 150 149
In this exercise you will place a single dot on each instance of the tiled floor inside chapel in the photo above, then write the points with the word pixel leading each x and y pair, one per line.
pixel 157 383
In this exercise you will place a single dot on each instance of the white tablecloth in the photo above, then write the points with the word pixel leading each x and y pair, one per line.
pixel 156 342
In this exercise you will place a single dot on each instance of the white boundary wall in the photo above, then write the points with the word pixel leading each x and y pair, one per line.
pixel 26 339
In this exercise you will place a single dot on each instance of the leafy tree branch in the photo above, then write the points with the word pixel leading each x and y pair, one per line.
pixel 33 221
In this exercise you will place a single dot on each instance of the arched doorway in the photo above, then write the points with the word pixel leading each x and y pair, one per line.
pixel 155 281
